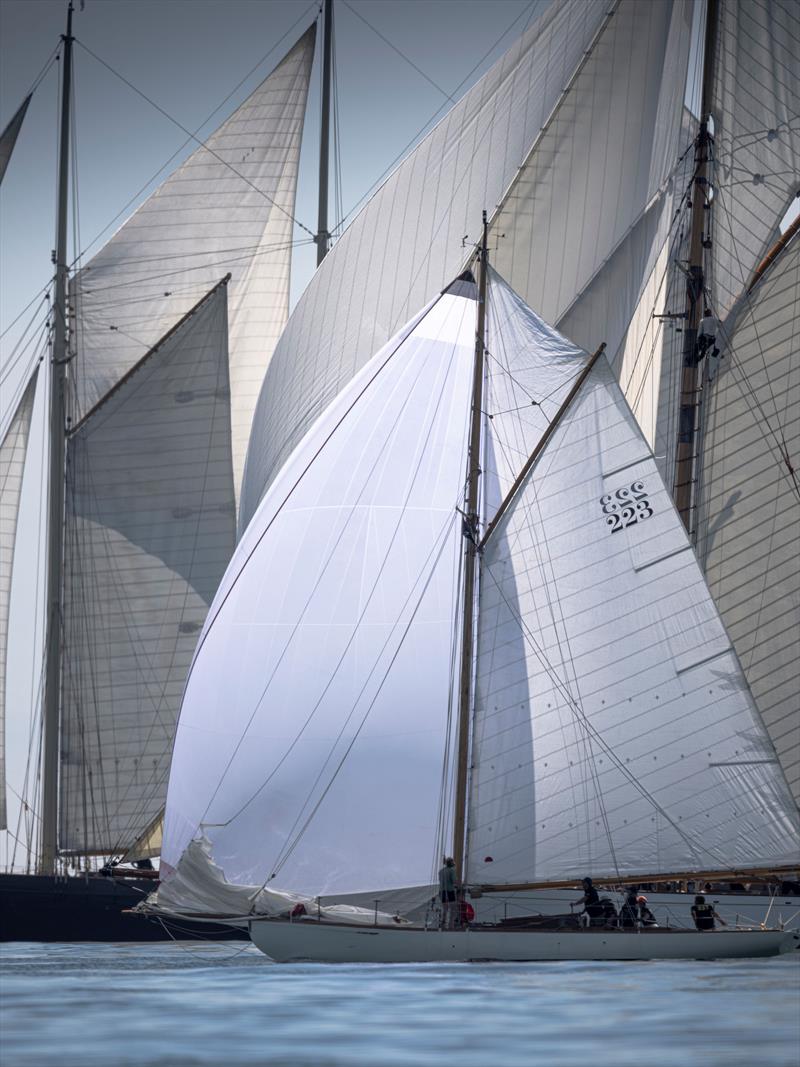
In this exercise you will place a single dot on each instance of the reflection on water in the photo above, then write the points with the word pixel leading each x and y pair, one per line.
pixel 203 1005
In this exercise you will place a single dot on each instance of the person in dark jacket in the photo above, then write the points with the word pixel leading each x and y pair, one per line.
pixel 592 908
pixel 448 892
pixel 629 912
pixel 704 914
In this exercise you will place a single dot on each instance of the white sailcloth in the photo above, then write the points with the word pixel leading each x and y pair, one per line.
pixel 756 115
pixel 749 501
pixel 614 731
pixel 150 527
pixel 228 208
pixel 590 209
pixel 13 449
pixel 314 730
pixel 407 242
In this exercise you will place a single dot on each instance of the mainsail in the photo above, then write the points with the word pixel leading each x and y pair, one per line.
pixel 749 499
pixel 150 520
pixel 228 208
pixel 618 69
pixel 13 449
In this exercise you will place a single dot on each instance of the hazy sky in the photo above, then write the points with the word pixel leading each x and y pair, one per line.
pixel 187 56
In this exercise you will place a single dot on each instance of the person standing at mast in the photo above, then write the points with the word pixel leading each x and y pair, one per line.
pixel 448 892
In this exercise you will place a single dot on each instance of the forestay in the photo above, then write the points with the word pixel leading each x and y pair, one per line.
pixel 150 524
pixel 228 208
pixel 749 501
pixel 13 449
pixel 314 730
pixel 614 732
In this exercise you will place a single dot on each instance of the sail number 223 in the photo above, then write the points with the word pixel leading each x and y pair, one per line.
pixel 627 506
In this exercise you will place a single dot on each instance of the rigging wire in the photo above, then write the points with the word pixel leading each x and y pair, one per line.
pixel 400 53
pixel 198 141
pixel 387 170
pixel 194 135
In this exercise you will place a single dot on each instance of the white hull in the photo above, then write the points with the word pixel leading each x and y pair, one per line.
pixel 286 942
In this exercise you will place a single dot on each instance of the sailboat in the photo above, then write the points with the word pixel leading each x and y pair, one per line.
pixel 529 138
pixel 159 346
pixel 425 645
pixel 617 214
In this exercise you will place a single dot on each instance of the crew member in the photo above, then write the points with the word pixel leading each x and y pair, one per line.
pixel 629 912
pixel 448 892
pixel 592 908
pixel 704 914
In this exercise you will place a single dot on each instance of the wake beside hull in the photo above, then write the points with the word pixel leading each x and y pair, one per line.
pixel 287 942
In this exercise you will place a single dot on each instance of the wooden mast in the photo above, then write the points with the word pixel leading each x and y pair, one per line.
pixel 686 446
pixel 322 238
pixel 58 386
pixel 470 557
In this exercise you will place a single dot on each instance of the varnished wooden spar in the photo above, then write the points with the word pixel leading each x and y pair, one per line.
pixel 471 552
pixel 773 254
pixel 548 433
pixel 738 875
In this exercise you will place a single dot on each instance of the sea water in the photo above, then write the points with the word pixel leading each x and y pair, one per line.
pixel 214 1005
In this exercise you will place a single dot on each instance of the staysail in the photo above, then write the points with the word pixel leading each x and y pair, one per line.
pixel 228 208
pixel 614 731
pixel 330 643
pixel 408 240
pixel 13 449
pixel 150 520
pixel 749 498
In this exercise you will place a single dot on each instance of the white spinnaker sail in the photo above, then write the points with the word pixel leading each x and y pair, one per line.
pixel 150 522
pixel 756 115
pixel 614 731
pixel 749 500
pixel 13 449
pixel 313 732
pixel 407 242
pixel 228 208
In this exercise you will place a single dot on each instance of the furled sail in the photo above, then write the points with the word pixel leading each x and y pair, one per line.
pixel 13 449
pixel 8 138
pixel 150 521
pixel 614 731
pixel 329 647
pixel 756 116
pixel 749 499
pixel 408 240
pixel 228 208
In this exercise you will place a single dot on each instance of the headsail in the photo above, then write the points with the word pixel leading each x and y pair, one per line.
pixel 749 498
pixel 314 730
pixel 150 525
pixel 407 242
pixel 13 449
pixel 229 208
pixel 614 730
